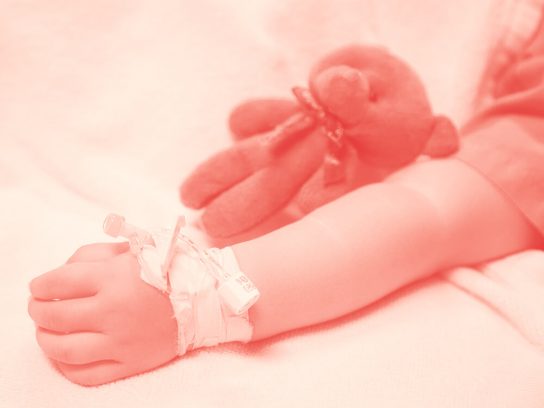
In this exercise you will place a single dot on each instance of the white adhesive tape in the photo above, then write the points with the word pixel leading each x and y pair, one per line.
pixel 209 293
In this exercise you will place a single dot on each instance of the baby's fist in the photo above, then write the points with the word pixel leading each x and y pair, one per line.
pixel 98 320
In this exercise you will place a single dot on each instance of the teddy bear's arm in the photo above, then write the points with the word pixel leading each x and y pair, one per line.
pixel 258 116
pixel 223 170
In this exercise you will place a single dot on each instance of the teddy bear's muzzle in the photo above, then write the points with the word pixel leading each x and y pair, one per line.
pixel 344 92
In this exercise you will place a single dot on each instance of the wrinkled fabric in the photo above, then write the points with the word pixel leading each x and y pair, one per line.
pixel 505 140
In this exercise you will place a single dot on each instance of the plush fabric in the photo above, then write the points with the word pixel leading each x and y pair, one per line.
pixel 364 115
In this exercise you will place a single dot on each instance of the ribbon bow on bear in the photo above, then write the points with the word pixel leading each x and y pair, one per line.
pixel 312 114
pixel 364 115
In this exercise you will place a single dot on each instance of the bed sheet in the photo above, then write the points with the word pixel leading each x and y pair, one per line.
pixel 435 343
pixel 105 106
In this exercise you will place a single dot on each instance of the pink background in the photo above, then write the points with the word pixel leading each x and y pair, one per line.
pixel 106 105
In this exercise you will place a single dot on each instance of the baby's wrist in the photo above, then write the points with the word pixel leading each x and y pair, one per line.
pixel 209 293
pixel 210 311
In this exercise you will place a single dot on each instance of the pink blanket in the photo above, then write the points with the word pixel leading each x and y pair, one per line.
pixel 106 105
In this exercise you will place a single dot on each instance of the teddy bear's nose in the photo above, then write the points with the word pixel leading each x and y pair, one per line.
pixel 344 92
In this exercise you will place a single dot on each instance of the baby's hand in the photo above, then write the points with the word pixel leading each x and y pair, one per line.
pixel 98 320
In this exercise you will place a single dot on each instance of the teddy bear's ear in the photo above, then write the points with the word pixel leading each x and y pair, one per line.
pixel 444 138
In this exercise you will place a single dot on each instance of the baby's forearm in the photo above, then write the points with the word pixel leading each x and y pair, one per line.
pixel 341 257
pixel 365 245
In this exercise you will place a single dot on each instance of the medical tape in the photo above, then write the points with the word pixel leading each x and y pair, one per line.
pixel 210 295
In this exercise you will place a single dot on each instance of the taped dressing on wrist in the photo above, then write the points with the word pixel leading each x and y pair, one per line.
pixel 209 293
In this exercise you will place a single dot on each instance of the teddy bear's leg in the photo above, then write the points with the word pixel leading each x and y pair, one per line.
pixel 259 116
pixel 259 196
pixel 315 193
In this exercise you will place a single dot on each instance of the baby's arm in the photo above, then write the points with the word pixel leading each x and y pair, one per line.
pixel 100 322
pixel 361 247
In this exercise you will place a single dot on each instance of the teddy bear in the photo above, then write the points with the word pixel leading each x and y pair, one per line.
pixel 364 115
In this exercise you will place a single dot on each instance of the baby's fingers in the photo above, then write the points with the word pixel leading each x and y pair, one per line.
pixel 66 316
pixel 74 348
pixel 98 252
pixel 92 374
pixel 70 281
